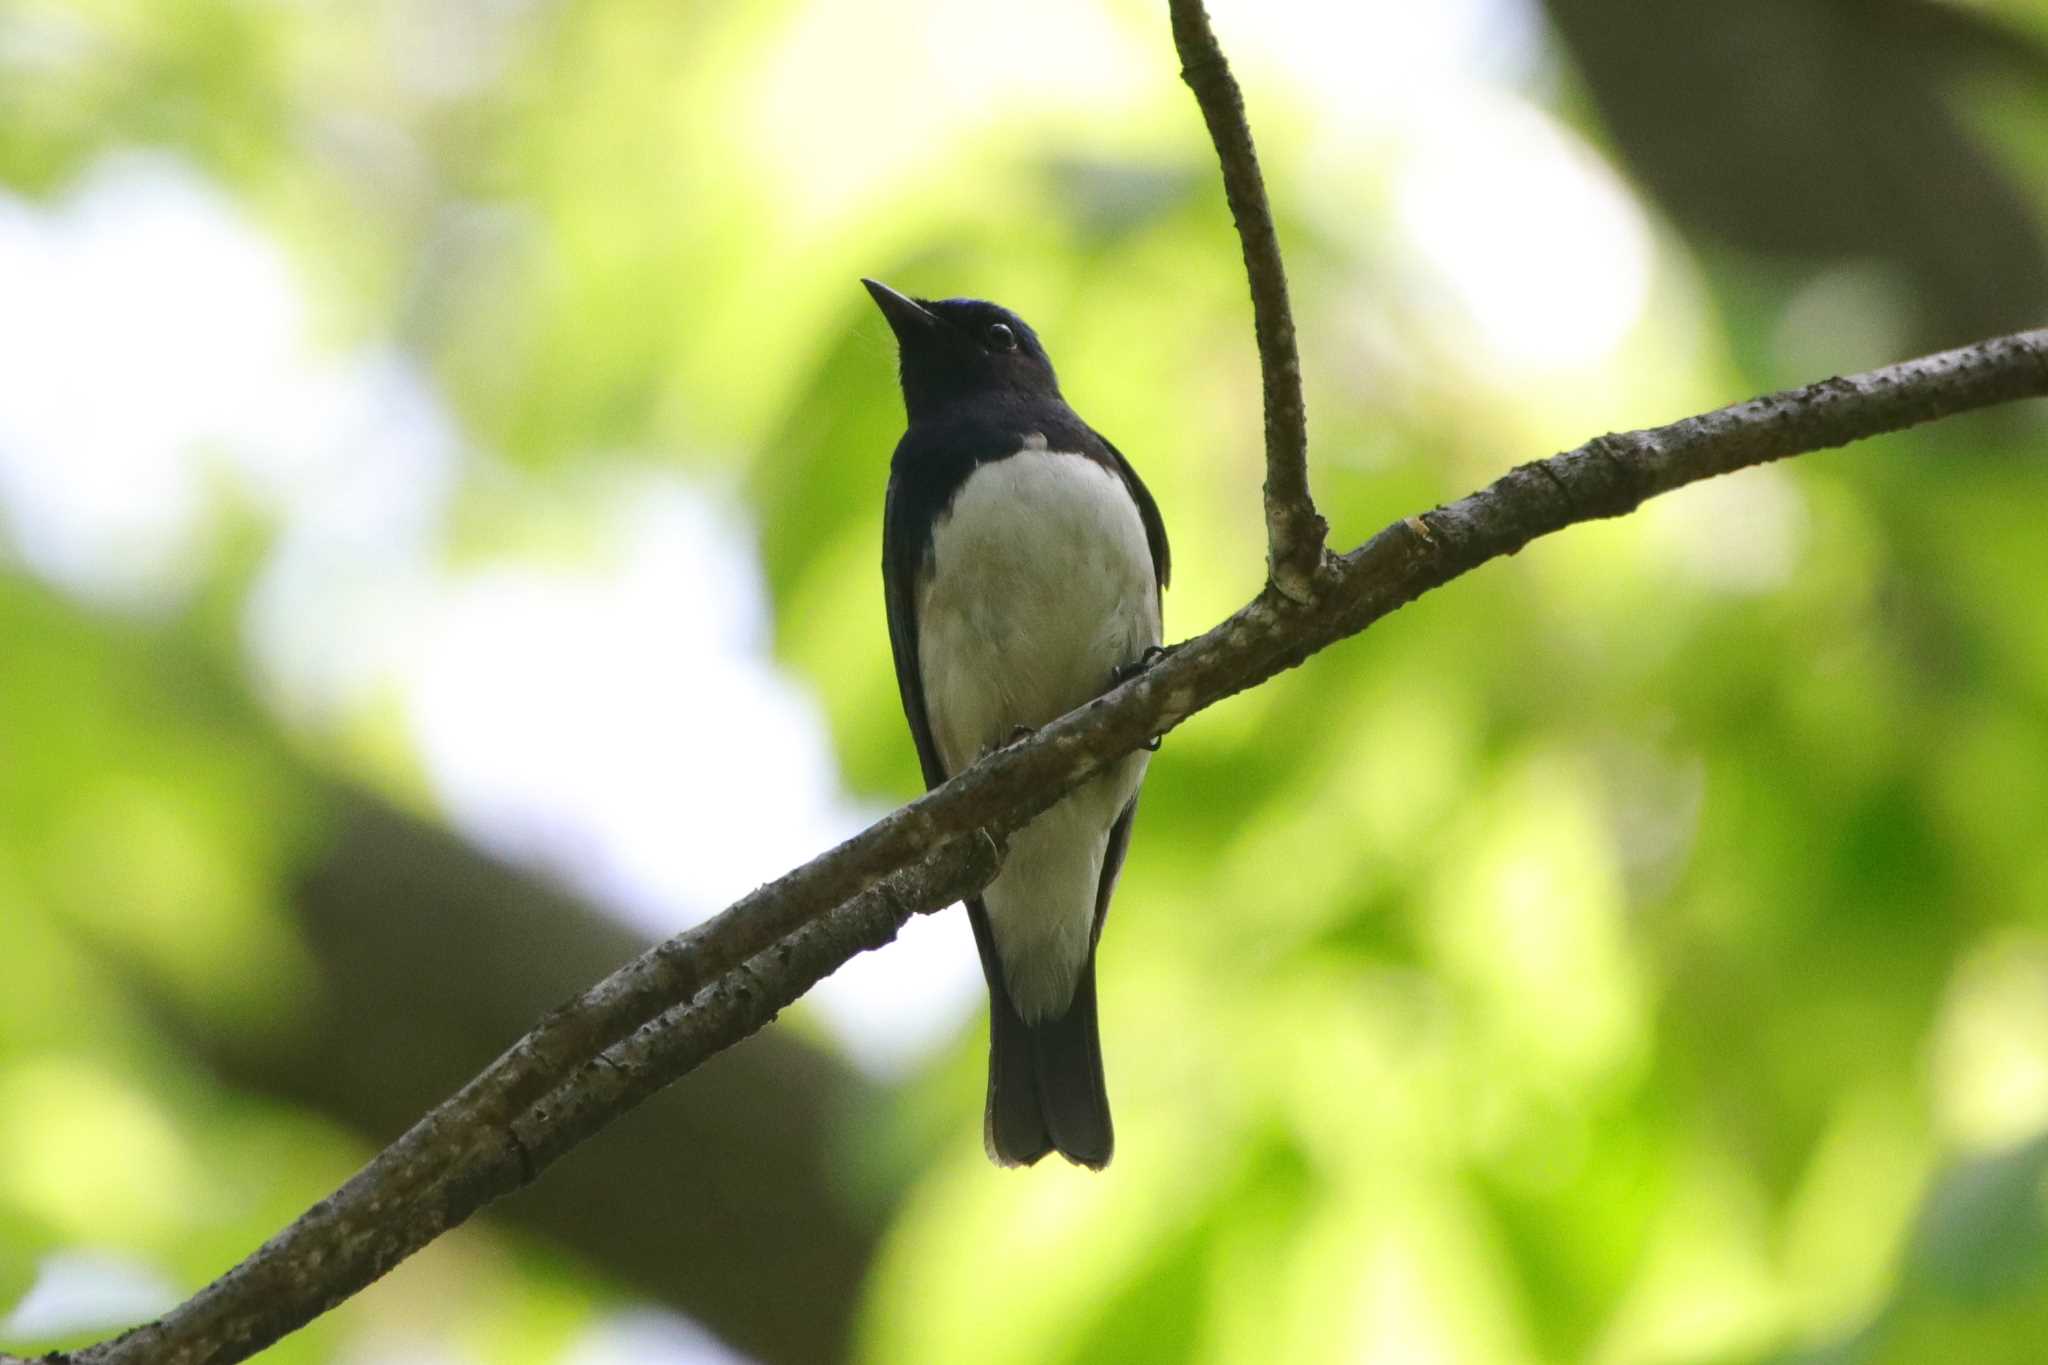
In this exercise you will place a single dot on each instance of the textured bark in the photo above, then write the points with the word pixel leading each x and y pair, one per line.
pixel 413 1191
pixel 1295 531
pixel 431 956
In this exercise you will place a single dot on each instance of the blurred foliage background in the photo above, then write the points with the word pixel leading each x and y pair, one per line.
pixel 441 456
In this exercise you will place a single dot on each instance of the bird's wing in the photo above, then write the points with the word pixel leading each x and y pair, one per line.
pixel 904 545
pixel 1112 865
pixel 1148 511
pixel 1162 564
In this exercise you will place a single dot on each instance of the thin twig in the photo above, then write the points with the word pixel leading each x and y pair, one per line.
pixel 460 1157
pixel 1294 529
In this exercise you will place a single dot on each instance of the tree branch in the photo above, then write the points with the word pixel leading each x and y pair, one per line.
pixel 1294 530
pixel 552 1089
pixel 456 1160
pixel 431 956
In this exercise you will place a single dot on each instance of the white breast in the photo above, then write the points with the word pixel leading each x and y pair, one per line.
pixel 1039 588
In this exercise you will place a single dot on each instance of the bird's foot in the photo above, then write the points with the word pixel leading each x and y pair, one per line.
pixel 1018 736
pixel 1152 655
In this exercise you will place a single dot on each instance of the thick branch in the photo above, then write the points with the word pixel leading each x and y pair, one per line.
pixel 546 1093
pixel 748 998
pixel 1294 530
pixel 431 956
pixel 415 1190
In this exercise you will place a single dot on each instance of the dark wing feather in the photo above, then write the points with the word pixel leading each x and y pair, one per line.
pixel 1148 511
pixel 905 540
pixel 1113 863
pixel 1162 563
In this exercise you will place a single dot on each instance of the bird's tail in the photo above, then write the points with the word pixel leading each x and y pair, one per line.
pixel 1045 1088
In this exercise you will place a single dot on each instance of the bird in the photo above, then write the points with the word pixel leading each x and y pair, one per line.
pixel 1023 565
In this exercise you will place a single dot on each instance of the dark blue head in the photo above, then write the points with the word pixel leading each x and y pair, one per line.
pixel 955 349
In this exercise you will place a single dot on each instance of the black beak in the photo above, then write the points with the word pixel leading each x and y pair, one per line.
pixel 907 317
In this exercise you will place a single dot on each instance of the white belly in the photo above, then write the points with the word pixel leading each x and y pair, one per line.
pixel 1040 586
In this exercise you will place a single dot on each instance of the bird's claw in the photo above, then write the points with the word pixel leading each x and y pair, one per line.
pixel 1152 655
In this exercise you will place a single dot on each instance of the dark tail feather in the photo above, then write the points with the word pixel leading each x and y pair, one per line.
pixel 1071 1095
pixel 1013 1128
pixel 1045 1089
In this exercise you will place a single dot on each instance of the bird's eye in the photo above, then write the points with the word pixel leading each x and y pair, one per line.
pixel 1001 338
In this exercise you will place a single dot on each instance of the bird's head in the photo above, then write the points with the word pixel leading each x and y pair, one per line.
pixel 954 349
